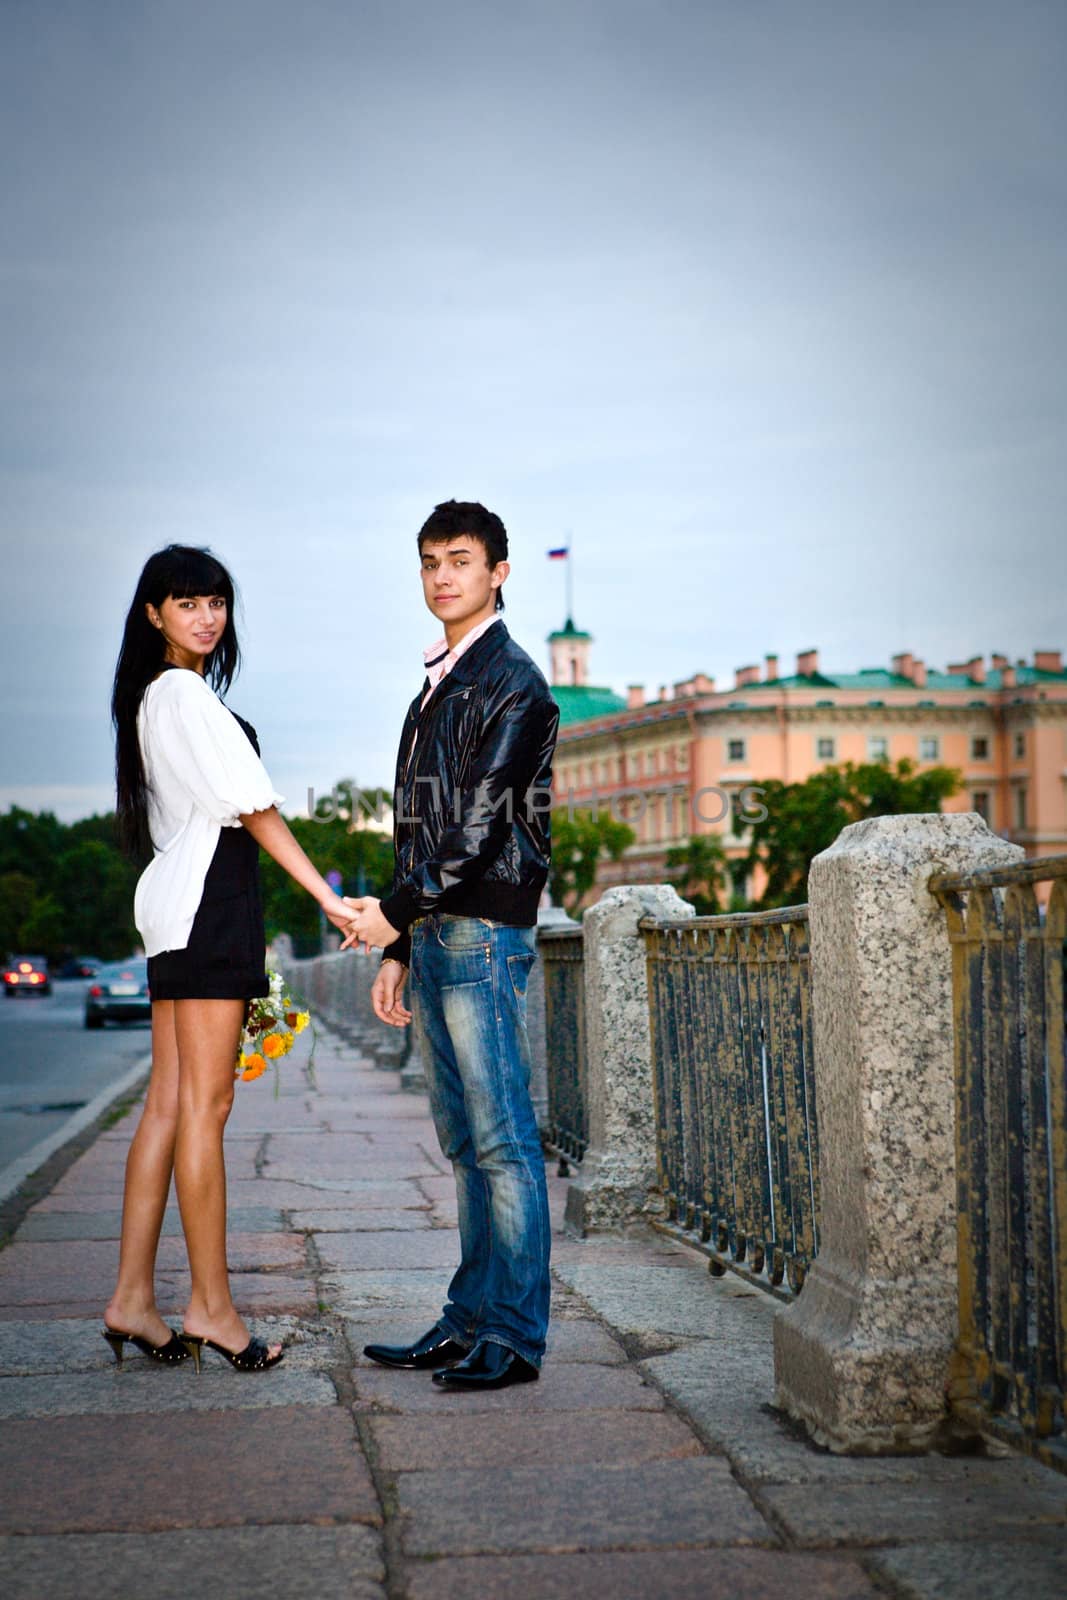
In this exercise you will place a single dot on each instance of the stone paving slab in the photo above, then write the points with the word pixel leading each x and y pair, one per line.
pixel 369 1252
pixel 469 1512
pixel 212 1469
pixel 664 1301
pixel 426 1443
pixel 950 1571
pixel 147 1388
pixel 362 1220
pixel 642 1575
pixel 908 1512
pixel 563 1387
pixel 51 1226
pixel 279 1563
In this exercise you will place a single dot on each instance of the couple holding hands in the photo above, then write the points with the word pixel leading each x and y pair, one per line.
pixel 471 841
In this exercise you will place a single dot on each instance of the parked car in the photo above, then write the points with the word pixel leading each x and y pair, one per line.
pixel 27 975
pixel 119 993
pixel 80 967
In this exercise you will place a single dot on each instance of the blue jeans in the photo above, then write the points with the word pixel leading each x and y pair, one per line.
pixel 468 998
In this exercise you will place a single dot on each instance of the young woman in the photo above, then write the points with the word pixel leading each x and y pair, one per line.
pixel 192 787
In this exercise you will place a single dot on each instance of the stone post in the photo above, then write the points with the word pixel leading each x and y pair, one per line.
pixel 619 1166
pixel 861 1358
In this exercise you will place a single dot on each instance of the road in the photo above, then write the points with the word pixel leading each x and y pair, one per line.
pixel 51 1064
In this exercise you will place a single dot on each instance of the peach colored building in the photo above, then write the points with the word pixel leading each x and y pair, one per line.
pixel 674 763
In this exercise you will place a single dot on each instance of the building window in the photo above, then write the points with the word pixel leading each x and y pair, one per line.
pixel 735 749
pixel 683 757
pixel 824 749
pixel 980 803
pixel 929 747
pixel 1020 806
pixel 980 748
pixel 1020 746
pixel 877 747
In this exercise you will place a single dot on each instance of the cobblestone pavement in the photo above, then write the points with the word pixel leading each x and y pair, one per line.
pixel 646 1462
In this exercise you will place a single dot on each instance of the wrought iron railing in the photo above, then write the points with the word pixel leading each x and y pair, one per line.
pixel 1008 964
pixel 566 1133
pixel 734 1089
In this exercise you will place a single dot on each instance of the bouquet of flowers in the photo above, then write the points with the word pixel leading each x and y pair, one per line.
pixel 272 1023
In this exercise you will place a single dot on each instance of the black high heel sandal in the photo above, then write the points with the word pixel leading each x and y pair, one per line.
pixel 255 1357
pixel 167 1355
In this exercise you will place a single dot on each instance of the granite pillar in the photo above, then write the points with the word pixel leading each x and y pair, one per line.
pixel 861 1358
pixel 619 1167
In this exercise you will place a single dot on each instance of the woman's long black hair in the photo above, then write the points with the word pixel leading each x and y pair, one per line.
pixel 182 571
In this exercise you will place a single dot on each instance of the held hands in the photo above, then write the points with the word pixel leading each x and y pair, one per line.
pixel 366 925
pixel 340 914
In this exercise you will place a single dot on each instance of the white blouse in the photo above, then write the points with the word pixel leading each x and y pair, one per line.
pixel 203 774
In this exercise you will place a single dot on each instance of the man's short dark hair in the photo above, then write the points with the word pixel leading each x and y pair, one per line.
pixel 454 519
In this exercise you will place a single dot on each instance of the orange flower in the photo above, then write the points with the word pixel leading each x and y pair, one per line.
pixel 274 1045
pixel 254 1067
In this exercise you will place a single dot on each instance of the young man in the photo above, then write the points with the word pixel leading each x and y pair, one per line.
pixel 471 836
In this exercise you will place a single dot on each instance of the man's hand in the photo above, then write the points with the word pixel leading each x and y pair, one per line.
pixel 387 995
pixel 341 915
pixel 367 925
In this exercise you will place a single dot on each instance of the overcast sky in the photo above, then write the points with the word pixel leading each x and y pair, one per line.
pixel 762 300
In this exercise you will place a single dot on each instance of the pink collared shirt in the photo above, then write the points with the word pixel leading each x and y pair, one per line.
pixel 440 659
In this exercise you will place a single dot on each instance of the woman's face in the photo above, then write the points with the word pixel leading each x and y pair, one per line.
pixel 192 627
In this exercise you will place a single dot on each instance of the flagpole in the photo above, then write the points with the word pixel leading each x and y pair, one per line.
pixel 570 575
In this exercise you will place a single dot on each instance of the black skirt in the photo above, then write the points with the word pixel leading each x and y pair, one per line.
pixel 225 958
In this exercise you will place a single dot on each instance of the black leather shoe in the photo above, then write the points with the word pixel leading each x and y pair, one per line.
pixel 489 1366
pixel 434 1349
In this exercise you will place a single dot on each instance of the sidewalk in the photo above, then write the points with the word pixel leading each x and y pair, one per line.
pixel 646 1462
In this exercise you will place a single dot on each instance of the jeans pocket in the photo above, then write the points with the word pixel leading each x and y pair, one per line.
pixel 519 973
pixel 462 933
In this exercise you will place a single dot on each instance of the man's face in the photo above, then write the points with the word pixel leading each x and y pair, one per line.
pixel 458 583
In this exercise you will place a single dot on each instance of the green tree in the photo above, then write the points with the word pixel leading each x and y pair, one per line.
pixel 17 896
pixel 95 890
pixel 44 931
pixel 697 870
pixel 579 841
pixel 805 818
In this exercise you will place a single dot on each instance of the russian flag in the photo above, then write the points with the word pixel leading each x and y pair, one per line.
pixel 558 555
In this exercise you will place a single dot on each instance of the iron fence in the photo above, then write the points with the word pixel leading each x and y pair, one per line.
pixel 734 1088
pixel 566 1132
pixel 1008 964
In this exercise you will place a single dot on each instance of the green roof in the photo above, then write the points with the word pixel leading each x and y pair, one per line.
pixel 583 702
pixel 569 631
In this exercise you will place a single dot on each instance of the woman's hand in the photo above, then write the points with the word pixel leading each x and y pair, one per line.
pixel 369 925
pixel 341 915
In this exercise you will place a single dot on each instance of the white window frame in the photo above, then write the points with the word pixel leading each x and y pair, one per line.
pixel 1019 746
pixel 874 739
pixel 825 755
pixel 730 756
pixel 976 740
pixel 929 740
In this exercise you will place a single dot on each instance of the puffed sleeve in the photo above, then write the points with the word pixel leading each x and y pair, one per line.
pixel 199 747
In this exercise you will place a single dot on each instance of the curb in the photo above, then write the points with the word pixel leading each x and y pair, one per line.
pixel 49 1159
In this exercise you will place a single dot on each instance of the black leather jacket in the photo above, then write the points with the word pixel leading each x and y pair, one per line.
pixel 473 792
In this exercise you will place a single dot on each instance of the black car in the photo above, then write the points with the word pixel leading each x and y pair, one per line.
pixel 119 993
pixel 80 967
pixel 27 975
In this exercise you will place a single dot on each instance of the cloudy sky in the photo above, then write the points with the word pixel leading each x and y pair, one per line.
pixel 761 301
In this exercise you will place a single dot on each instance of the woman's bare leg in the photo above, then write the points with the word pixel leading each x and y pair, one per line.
pixel 132 1307
pixel 208 1032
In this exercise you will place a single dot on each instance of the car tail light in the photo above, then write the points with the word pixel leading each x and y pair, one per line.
pixel 24 966
pixel 35 977
pixel 96 992
pixel 11 977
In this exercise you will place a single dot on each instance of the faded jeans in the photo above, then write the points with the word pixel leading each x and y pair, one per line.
pixel 468 998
